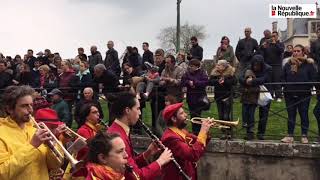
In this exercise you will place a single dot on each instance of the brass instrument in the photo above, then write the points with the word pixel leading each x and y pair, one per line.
pixel 75 163
pixel 80 141
pixel 220 124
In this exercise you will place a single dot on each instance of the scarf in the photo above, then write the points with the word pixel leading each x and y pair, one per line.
pixel 101 172
pixel 295 63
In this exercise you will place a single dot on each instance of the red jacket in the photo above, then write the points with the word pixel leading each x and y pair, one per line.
pixel 186 150
pixel 68 84
pixel 87 131
pixel 139 164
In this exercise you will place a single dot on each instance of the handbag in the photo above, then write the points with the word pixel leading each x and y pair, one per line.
pixel 204 103
pixel 264 96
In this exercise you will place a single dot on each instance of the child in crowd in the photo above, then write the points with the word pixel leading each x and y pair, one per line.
pixel 150 79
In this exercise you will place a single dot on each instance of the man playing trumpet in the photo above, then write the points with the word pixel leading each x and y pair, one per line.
pixel 186 148
pixel 23 155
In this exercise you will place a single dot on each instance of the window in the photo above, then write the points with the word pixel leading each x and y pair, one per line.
pixel 314 27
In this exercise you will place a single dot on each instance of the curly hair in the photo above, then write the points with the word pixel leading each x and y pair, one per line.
pixel 13 93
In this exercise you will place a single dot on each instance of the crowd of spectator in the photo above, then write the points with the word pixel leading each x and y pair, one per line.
pixel 159 78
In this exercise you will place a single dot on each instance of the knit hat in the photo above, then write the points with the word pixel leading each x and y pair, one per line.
pixel 170 110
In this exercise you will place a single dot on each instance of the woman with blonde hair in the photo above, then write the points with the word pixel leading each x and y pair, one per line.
pixel 44 71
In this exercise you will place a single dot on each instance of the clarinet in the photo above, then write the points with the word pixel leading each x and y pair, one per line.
pixel 159 143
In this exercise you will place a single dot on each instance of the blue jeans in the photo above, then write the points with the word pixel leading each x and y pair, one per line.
pixel 248 111
pixel 263 118
pixel 302 107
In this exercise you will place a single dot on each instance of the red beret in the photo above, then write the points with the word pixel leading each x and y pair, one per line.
pixel 48 116
pixel 169 111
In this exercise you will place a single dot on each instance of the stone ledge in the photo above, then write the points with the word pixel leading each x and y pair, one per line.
pixel 258 148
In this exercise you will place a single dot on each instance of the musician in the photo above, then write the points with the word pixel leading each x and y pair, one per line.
pixel 89 126
pixel 23 155
pixel 186 148
pixel 127 114
pixel 50 118
pixel 107 157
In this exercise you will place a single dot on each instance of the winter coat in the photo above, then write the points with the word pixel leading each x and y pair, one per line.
pixel 86 80
pixel 315 51
pixel 227 54
pixel 147 57
pixel 196 52
pixel 112 61
pixel 306 72
pixel 5 80
pixel 273 53
pixel 250 93
pixel 174 88
pixel 62 110
pixel 200 82
pixel 25 78
pixel 109 80
pixel 68 84
pixel 222 91
pixel 95 59
pixel 245 49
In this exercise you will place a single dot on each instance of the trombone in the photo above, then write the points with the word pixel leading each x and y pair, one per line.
pixel 75 163
pixel 220 124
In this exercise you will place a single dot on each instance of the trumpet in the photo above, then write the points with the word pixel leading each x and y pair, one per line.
pixel 80 141
pixel 220 124
pixel 75 163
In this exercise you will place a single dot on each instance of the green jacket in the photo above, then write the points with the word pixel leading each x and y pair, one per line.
pixel 62 110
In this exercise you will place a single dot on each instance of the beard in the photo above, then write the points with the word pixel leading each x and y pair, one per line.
pixel 182 125
pixel 21 118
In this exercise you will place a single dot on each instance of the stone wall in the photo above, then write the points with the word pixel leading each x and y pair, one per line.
pixel 255 160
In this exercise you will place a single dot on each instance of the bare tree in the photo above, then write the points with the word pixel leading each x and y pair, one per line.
pixel 167 36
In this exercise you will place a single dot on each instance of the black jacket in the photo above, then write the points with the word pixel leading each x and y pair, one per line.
pixel 306 73
pixel 196 52
pixel 112 61
pixel 25 78
pixel 5 80
pixel 86 81
pixel 245 49
pixel 31 61
pixel 223 90
pixel 147 57
pixel 95 59
pixel 273 53
pixel 315 51
pixel 109 80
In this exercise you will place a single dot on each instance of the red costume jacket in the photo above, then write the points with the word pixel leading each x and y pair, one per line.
pixel 144 170
pixel 87 131
pixel 186 149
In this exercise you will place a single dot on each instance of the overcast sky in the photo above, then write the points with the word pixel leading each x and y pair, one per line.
pixel 65 25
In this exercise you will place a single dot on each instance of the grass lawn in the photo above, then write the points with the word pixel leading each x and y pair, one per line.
pixel 276 126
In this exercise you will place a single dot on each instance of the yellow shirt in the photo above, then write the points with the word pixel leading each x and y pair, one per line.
pixel 19 160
